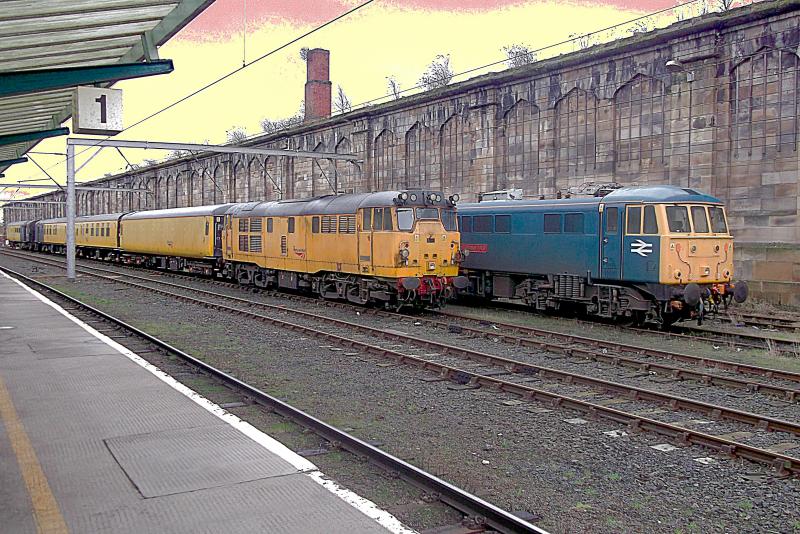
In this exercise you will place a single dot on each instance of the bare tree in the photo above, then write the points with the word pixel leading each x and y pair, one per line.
pixel 393 86
pixel 519 55
pixel 438 73
pixel 237 134
pixel 177 154
pixel 272 126
pixel 304 53
pixel 725 5
pixel 342 103
pixel 581 41
pixel 641 26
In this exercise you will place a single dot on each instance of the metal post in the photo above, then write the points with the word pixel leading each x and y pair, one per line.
pixel 70 212
pixel 690 79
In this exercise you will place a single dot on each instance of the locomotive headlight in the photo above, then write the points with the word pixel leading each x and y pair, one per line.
pixel 413 197
pixel 404 253
pixel 403 196
pixel 455 198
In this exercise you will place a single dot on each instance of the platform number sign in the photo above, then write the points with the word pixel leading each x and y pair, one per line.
pixel 97 110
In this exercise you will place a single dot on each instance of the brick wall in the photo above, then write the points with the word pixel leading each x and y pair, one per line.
pixel 727 125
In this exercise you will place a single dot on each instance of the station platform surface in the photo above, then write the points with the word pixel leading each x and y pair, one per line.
pixel 95 439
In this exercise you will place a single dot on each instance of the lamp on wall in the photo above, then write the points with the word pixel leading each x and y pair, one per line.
pixel 675 66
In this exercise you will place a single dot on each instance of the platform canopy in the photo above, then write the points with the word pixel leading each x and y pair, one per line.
pixel 49 48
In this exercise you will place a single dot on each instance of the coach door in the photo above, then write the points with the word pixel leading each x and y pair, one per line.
pixel 219 226
pixel 611 242
pixel 228 236
pixel 365 240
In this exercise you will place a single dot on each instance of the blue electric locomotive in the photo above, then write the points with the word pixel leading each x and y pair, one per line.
pixel 655 253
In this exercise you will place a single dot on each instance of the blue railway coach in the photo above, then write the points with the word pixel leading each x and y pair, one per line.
pixel 655 253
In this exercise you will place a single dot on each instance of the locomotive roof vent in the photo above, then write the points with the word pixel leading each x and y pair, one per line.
pixel 503 194
pixel 593 189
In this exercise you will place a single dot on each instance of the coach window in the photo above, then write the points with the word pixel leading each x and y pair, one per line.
pixel 91 231
pixel 633 222
pixel 502 224
pixel 269 225
pixel 314 225
pixel 466 224
pixel 405 219
pixel 483 224
pixel 573 223
pixel 387 219
pixel 650 221
pixel 552 223
pixel 699 219
pixel 678 219
pixel 291 225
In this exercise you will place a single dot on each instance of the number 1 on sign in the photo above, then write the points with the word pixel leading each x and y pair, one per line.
pixel 102 101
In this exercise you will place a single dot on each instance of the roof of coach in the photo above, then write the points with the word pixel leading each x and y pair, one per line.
pixel 98 218
pixel 329 204
pixel 195 211
pixel 648 193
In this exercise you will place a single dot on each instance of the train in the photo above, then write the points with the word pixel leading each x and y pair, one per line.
pixel 396 249
pixel 654 254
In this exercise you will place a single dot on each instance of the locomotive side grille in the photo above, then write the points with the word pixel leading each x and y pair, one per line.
pixel 255 243
pixel 347 224
pixel 255 224
pixel 284 246
pixel 328 224
pixel 243 243
pixel 243 225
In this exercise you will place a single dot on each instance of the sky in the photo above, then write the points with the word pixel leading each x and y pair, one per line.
pixel 397 38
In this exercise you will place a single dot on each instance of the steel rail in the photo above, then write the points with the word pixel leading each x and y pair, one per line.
pixel 459 499
pixel 767 372
pixel 512 366
pixel 789 394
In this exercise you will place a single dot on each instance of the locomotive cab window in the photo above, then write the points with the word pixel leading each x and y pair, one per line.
pixel 612 220
pixel 366 223
pixel 699 220
pixel 387 219
pixel 449 220
pixel 428 213
pixel 377 219
pixel 718 225
pixel 650 223
pixel 678 219
pixel 633 221
pixel 405 219
pixel 466 224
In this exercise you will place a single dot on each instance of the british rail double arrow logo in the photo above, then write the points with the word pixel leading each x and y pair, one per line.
pixel 641 248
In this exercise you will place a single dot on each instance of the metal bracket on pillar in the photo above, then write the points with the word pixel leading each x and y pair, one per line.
pixel 149 47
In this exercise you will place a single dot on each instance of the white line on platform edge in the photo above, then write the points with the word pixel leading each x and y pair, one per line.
pixel 365 506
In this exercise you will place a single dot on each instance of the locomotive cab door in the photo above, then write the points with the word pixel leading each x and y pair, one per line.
pixel 365 241
pixel 611 242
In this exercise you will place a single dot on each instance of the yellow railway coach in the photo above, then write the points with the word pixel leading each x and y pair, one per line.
pixel 394 247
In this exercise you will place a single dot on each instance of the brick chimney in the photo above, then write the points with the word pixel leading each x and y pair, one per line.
pixel 318 85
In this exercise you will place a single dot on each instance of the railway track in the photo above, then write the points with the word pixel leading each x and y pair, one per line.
pixel 473 368
pixel 479 511
pixel 685 330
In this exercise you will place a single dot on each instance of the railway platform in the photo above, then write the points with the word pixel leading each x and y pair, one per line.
pixel 95 439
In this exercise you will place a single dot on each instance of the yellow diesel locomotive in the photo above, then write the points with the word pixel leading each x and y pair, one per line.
pixel 394 248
